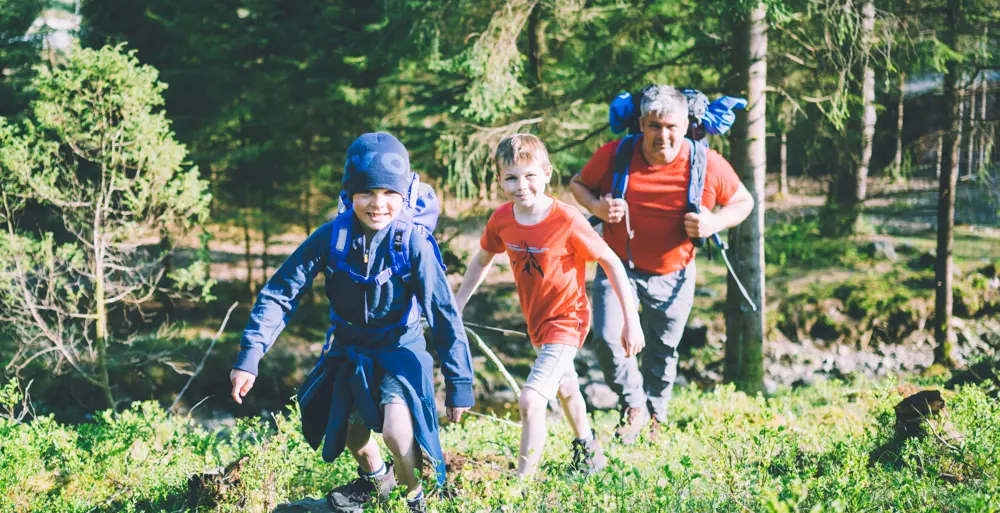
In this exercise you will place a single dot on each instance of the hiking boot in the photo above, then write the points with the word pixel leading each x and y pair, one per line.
pixel 631 424
pixel 352 497
pixel 588 456
pixel 417 506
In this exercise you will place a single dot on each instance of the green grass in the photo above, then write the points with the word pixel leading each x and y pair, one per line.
pixel 801 450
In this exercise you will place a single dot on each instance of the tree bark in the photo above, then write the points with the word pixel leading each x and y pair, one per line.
pixel 783 178
pixel 897 161
pixel 943 335
pixel 983 139
pixel 101 322
pixel 534 44
pixel 970 132
pixel 744 358
pixel 868 97
pixel 940 152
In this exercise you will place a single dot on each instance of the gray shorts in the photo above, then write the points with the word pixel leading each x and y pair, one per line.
pixel 392 393
pixel 553 367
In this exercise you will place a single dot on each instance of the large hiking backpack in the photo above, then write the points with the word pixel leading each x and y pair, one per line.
pixel 705 118
pixel 421 209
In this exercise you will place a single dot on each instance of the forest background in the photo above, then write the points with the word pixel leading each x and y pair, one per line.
pixel 159 158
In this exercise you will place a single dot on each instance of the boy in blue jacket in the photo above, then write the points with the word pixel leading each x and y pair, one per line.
pixel 375 373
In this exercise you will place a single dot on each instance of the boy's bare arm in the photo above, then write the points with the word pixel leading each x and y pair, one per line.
pixel 632 339
pixel 475 272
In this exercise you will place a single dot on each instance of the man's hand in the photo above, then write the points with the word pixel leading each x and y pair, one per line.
pixel 455 413
pixel 700 226
pixel 242 383
pixel 632 339
pixel 609 210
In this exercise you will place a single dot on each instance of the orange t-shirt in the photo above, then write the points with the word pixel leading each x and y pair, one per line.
pixel 657 202
pixel 548 260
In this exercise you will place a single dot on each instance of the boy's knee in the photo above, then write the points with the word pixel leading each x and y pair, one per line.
pixel 531 403
pixel 568 389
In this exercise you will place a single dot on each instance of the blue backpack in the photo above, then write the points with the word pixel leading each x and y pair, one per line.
pixel 421 210
pixel 715 118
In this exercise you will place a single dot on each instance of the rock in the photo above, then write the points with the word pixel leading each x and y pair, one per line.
pixel 304 506
pixel 881 249
pixel 706 292
pixel 206 489
pixel 913 410
pixel 694 337
pixel 600 396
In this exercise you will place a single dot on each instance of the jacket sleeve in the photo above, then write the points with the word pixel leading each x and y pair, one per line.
pixel 280 297
pixel 438 305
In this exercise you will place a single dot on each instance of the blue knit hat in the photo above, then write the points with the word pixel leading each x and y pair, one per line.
pixel 376 161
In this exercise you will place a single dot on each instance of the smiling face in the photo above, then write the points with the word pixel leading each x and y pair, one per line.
pixel 663 136
pixel 376 208
pixel 525 183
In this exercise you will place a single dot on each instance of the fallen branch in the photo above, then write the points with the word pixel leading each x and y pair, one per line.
pixel 204 358
pixel 497 330
pixel 492 356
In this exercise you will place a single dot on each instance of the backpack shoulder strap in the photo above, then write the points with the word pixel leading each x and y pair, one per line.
pixel 399 246
pixel 623 160
pixel 696 183
pixel 340 240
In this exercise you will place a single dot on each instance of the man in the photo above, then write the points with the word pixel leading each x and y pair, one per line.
pixel 659 250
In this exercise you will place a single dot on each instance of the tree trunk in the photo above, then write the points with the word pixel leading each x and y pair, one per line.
pixel 265 236
pixel 534 44
pixel 783 178
pixel 101 322
pixel 940 152
pixel 970 135
pixel 897 161
pixel 868 97
pixel 247 255
pixel 744 359
pixel 943 335
pixel 983 139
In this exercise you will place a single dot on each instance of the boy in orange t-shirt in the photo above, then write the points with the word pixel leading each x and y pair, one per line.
pixel 549 244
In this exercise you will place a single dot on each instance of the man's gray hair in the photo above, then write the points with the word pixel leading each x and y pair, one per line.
pixel 662 100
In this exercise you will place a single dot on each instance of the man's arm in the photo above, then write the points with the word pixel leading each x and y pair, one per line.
pixel 632 338
pixel 604 207
pixel 475 272
pixel 707 223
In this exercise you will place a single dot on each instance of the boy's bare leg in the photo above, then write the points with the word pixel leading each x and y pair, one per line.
pixel 575 408
pixel 532 406
pixel 364 449
pixel 397 433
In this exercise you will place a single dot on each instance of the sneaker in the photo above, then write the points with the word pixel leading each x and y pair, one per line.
pixel 656 428
pixel 352 497
pixel 631 424
pixel 588 456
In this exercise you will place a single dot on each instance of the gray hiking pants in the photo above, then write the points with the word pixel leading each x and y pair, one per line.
pixel 665 303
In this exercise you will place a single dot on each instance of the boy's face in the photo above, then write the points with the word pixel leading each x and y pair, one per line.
pixel 662 137
pixel 524 183
pixel 376 208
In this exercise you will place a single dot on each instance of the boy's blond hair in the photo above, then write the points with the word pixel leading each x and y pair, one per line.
pixel 521 149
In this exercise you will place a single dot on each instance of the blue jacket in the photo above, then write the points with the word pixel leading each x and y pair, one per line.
pixel 348 374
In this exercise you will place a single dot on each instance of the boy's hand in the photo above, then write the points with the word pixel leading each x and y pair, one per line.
pixel 242 383
pixel 610 210
pixel 632 340
pixel 455 413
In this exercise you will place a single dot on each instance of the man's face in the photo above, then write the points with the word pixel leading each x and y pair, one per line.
pixel 376 208
pixel 663 137
pixel 525 183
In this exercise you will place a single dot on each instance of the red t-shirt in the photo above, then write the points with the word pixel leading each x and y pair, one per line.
pixel 548 260
pixel 657 202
